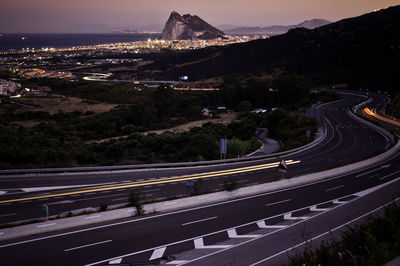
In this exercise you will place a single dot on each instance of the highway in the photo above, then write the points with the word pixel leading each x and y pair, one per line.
pixel 346 141
pixel 226 233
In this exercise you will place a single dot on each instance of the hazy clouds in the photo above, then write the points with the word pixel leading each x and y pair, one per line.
pixel 103 15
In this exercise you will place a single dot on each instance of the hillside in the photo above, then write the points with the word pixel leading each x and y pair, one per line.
pixel 363 51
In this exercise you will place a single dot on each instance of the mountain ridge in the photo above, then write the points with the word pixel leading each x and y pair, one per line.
pixel 279 29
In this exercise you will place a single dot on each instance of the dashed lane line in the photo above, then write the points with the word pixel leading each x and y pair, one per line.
pixel 334 188
pixel 278 202
pixel 88 245
pixel 199 221
pixel 9 214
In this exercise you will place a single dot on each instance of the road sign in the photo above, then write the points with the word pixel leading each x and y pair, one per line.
pixel 283 166
pixel 45 210
pixel 308 135
pixel 223 149
pixel 283 169
pixel 222 143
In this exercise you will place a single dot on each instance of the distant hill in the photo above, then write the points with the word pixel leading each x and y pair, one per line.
pixel 363 51
pixel 276 30
pixel 188 27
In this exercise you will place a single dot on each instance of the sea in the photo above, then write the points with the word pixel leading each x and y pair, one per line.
pixel 9 42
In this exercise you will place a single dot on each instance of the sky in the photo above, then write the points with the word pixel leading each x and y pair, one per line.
pixel 52 16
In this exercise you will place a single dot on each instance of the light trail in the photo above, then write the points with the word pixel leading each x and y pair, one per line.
pixel 156 181
pixel 391 121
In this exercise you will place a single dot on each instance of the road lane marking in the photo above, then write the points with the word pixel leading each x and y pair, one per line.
pixel 88 245
pixel 386 176
pixel 158 253
pixel 199 244
pixel 278 202
pixel 45 225
pixel 321 235
pixel 199 221
pixel 372 176
pixel 233 234
pixel 100 197
pixel 1 233
pixel 330 189
pixel 289 217
pixel 151 190
pixel 315 209
pixel 9 214
pixel 119 199
pixel 159 181
pixel 116 261
pixel 263 225
pixel 336 201
pixel 374 170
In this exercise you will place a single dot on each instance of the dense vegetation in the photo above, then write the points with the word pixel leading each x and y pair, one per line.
pixel 66 139
pixel 373 243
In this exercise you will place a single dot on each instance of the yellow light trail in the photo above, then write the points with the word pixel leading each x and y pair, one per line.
pixel 369 112
pixel 156 181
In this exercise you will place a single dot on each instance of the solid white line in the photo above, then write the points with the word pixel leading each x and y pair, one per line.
pixel 158 253
pixel 336 201
pixel 45 225
pixel 233 234
pixel 88 245
pixel 330 189
pixel 92 217
pixel 318 236
pixel 262 225
pixel 202 220
pixel 315 209
pixel 289 217
pixel 116 261
pixel 199 244
pixel 278 202
pixel 10 214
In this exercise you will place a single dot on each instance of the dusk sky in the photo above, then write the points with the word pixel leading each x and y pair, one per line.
pixel 104 15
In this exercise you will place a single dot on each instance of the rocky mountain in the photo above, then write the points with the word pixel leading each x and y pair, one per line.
pixel 276 30
pixel 188 27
